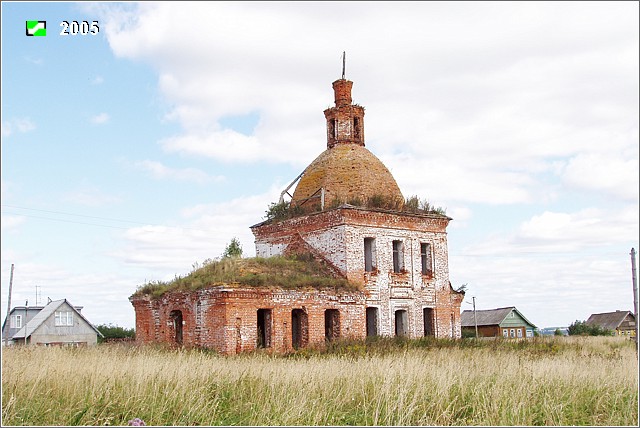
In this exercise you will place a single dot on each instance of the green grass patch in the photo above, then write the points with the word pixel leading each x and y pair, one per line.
pixel 294 272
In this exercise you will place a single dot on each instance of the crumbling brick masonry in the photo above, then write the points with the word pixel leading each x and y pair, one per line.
pixel 399 258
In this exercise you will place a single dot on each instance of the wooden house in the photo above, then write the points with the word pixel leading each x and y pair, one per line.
pixel 502 322
pixel 623 323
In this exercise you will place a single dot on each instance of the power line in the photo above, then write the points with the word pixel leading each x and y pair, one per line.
pixel 72 214
pixel 67 221
pixel 87 216
pixel 514 254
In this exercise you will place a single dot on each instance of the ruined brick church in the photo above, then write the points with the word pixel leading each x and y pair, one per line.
pixel 398 257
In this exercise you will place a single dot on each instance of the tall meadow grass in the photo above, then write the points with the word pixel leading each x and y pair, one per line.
pixel 546 381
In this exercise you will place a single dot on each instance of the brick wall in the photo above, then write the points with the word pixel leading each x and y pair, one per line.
pixel 338 235
pixel 226 319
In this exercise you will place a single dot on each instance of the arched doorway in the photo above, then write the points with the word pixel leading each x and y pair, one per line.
pixel 402 323
pixel 299 329
pixel 372 322
pixel 427 314
pixel 331 324
pixel 176 319
pixel 264 328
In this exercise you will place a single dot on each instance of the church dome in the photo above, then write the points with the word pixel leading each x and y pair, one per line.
pixel 346 172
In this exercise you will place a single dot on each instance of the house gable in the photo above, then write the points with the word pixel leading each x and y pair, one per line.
pixel 628 323
pixel 516 319
pixel 43 328
pixel 49 325
pixel 612 320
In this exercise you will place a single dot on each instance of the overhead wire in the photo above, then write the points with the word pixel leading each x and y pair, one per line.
pixel 86 216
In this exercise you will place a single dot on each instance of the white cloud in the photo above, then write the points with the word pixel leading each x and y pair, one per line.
pixel 36 61
pixel 11 222
pixel 440 180
pixel 24 125
pixel 557 232
pixel 91 196
pixel 505 103
pixel 461 216
pixel 555 267
pixel 98 80
pixel 100 119
pixel 207 229
pixel 21 125
pixel 226 145
pixel 549 290
pixel 605 173
pixel 99 293
pixel 159 171
pixel 469 104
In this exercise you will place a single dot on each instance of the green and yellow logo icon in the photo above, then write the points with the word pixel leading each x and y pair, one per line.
pixel 36 28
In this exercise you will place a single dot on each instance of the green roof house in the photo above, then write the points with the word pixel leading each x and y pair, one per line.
pixel 505 322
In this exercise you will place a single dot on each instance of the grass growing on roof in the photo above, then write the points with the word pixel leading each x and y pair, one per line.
pixel 294 272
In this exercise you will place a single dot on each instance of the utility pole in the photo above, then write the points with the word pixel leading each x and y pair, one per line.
pixel 6 337
pixel 475 318
pixel 635 291
pixel 24 323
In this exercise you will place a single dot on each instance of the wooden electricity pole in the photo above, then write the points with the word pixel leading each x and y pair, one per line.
pixel 635 291
pixel 6 337
pixel 475 318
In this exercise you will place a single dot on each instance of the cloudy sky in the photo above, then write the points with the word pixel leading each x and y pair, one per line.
pixel 132 154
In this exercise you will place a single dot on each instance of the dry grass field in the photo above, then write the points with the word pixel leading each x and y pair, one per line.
pixel 543 381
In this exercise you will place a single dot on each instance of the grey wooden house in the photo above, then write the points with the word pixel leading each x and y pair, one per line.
pixel 57 323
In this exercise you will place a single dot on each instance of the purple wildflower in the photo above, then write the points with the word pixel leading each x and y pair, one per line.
pixel 137 422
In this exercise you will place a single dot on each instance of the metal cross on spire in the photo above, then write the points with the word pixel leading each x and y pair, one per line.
pixel 344 55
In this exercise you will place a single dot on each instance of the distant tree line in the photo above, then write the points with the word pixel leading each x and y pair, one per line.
pixel 113 332
pixel 581 328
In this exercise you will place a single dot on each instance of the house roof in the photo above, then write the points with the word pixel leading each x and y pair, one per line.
pixel 608 320
pixel 21 310
pixel 28 329
pixel 489 316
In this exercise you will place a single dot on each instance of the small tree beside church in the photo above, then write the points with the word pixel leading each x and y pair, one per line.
pixel 234 249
